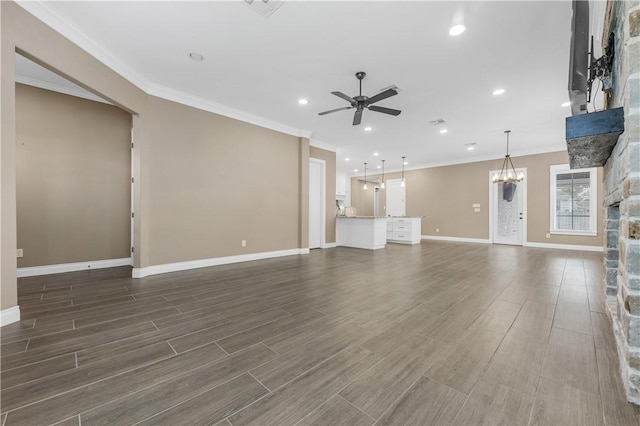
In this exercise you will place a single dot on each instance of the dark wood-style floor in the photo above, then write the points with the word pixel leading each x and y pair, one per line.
pixel 438 333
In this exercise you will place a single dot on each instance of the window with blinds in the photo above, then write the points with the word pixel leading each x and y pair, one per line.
pixel 573 200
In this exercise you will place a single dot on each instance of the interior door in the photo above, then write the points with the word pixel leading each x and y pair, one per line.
pixel 316 203
pixel 395 197
pixel 508 213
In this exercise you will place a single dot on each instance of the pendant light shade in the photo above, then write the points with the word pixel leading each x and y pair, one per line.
pixel 508 172
pixel 365 176
pixel 402 181
pixel 382 180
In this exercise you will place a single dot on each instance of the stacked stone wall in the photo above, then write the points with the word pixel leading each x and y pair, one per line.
pixel 622 194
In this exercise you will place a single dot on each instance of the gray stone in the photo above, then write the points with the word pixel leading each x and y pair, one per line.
pixel 632 121
pixel 613 213
pixel 634 93
pixel 631 186
pixel 612 238
pixel 634 156
pixel 634 282
pixel 633 205
pixel 612 254
pixel 612 277
pixel 632 257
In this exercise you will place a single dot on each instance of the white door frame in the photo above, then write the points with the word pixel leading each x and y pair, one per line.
pixel 393 181
pixel 323 206
pixel 133 222
pixel 524 204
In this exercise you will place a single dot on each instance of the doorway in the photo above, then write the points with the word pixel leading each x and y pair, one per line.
pixel 317 208
pixel 74 190
pixel 395 198
pixel 508 205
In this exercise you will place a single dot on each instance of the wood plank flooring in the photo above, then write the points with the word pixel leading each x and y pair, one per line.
pixel 436 333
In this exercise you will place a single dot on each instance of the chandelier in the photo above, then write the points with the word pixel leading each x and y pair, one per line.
pixel 508 173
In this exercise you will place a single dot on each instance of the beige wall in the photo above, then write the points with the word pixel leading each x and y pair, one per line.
pixel 330 182
pixel 264 200
pixel 73 171
pixel 215 181
pixel 20 31
pixel 444 196
pixel 362 199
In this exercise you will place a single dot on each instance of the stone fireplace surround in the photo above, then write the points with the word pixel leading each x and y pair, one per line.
pixel 622 194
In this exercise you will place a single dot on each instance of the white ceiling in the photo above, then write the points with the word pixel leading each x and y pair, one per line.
pixel 262 66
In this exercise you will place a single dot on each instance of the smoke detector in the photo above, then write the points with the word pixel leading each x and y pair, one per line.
pixel 264 8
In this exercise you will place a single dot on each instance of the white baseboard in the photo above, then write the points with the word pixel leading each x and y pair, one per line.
pixel 203 263
pixel 33 271
pixel 330 245
pixel 457 239
pixel 564 246
pixel 9 315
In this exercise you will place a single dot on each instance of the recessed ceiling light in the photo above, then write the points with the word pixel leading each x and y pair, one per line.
pixel 196 57
pixel 457 30
pixel 367 129
pixel 375 154
pixel 303 101
pixel 566 104
pixel 405 163
pixel 470 146
pixel 443 131
pixel 378 167
pixel 498 92
pixel 355 170
pixel 347 159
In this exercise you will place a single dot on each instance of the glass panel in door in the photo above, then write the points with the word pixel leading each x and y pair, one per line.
pixel 508 206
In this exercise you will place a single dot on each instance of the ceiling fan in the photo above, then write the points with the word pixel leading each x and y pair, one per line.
pixel 361 102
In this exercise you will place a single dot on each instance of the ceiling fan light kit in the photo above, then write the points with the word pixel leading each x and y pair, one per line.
pixel 360 102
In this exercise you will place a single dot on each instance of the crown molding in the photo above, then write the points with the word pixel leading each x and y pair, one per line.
pixel 207 105
pixel 78 93
pixel 58 22
pixel 323 145
pixel 534 151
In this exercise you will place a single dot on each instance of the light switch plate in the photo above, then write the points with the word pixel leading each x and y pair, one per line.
pixel 19 253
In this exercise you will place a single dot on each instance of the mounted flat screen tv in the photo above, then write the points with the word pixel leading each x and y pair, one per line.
pixel 579 57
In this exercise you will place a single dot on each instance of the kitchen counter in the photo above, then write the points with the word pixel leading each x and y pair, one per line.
pixel 368 232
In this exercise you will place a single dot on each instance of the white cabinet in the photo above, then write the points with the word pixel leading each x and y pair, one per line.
pixel 404 230
pixel 361 232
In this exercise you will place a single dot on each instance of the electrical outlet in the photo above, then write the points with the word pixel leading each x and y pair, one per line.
pixel 244 243
pixel 548 235
pixel 437 229
pixel 19 253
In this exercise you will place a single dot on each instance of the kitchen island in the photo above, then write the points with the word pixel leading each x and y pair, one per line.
pixel 365 232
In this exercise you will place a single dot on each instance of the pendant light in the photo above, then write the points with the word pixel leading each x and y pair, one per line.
pixel 508 173
pixel 382 180
pixel 402 181
pixel 365 176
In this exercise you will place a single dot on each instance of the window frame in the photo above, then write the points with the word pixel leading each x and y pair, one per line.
pixel 554 171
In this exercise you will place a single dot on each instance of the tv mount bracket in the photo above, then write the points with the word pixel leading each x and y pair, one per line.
pixel 601 67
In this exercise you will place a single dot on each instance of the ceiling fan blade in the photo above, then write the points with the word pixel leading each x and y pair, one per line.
pixel 345 97
pixel 382 95
pixel 357 117
pixel 385 110
pixel 334 110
